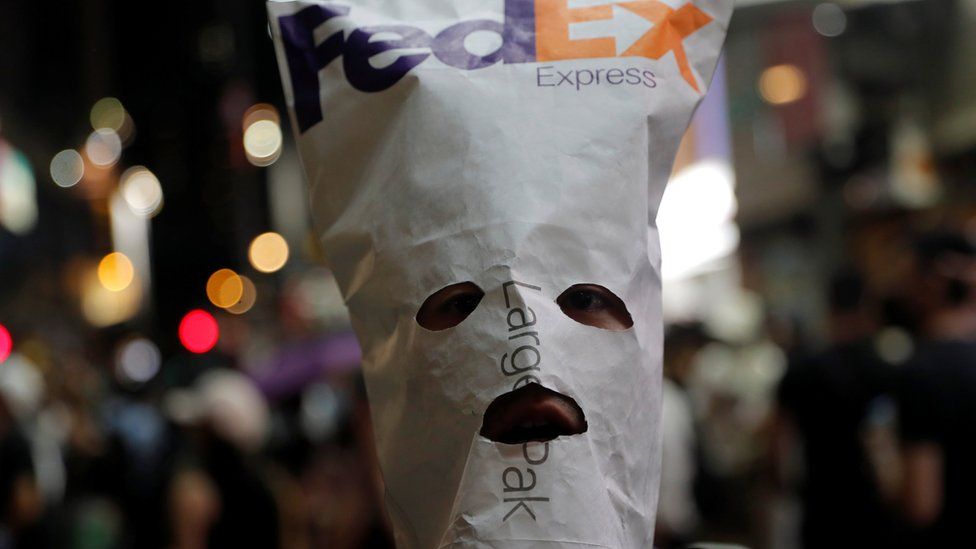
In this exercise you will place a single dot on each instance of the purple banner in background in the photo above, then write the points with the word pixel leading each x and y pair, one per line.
pixel 299 364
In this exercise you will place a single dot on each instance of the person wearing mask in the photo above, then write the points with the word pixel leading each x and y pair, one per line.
pixel 484 183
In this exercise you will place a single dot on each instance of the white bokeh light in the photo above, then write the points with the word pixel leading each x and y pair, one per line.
pixel 696 219
pixel 137 361
pixel 103 147
pixel 67 168
pixel 142 191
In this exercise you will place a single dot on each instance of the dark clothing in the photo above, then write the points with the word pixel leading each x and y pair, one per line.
pixel 248 513
pixel 15 462
pixel 937 404
pixel 829 396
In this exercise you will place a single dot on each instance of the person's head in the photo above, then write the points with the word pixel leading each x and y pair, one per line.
pixel 489 218
pixel 853 311
pixel 945 271
pixel 940 292
pixel 681 345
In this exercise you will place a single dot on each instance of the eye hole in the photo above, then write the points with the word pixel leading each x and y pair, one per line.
pixel 595 306
pixel 449 306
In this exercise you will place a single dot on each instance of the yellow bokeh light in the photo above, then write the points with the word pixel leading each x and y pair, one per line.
pixel 248 297
pixel 115 272
pixel 262 140
pixel 108 112
pixel 225 288
pixel 782 84
pixel 260 111
pixel 268 252
pixel 102 307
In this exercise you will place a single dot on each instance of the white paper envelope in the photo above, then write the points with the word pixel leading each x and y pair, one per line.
pixel 518 147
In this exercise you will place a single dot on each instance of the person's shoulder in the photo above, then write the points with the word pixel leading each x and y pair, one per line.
pixel 938 357
pixel 937 368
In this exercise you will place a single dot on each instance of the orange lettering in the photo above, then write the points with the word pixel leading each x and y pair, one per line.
pixel 552 21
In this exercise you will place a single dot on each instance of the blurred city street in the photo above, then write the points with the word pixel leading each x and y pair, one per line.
pixel 177 366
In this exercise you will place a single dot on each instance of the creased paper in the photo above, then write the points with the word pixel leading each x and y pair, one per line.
pixel 523 146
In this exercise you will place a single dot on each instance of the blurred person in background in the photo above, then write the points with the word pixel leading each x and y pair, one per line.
pixel 21 505
pixel 677 511
pixel 218 495
pixel 824 401
pixel 937 398
pixel 355 496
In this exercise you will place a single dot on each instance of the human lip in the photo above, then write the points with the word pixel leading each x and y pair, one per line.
pixel 532 413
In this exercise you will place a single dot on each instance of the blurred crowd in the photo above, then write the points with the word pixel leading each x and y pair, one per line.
pixel 204 454
pixel 863 440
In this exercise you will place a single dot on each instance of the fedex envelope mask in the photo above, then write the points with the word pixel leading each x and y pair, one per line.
pixel 485 174
pixel 523 239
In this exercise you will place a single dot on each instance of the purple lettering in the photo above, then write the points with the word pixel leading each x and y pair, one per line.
pixel 519 36
pixel 450 49
pixel 360 49
pixel 633 76
pixel 649 80
pixel 539 75
pixel 579 81
pixel 305 59
pixel 615 76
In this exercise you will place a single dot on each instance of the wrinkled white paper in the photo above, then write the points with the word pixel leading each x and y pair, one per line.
pixel 522 145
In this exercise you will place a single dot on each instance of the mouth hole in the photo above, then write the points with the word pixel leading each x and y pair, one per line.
pixel 532 413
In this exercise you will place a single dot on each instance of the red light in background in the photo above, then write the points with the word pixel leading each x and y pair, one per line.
pixel 6 343
pixel 199 331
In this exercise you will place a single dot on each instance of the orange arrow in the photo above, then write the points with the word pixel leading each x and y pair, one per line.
pixel 670 29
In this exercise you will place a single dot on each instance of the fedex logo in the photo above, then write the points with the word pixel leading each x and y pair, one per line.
pixel 532 31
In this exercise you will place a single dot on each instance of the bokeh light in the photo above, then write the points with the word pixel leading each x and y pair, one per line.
pixel 260 111
pixel 141 191
pixel 268 252
pixel 18 191
pixel 262 135
pixel 248 298
pixel 696 219
pixel 894 345
pixel 225 288
pixel 782 84
pixel 321 409
pixel 67 168
pixel 103 147
pixel 115 272
pixel 6 343
pixel 199 331
pixel 829 20
pixel 107 112
pixel 137 361
pixel 102 307
pixel 262 142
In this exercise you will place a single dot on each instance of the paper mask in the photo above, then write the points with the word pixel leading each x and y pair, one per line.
pixel 501 162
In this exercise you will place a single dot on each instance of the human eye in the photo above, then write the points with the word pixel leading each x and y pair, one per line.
pixel 463 304
pixel 596 306
pixel 584 300
pixel 449 306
